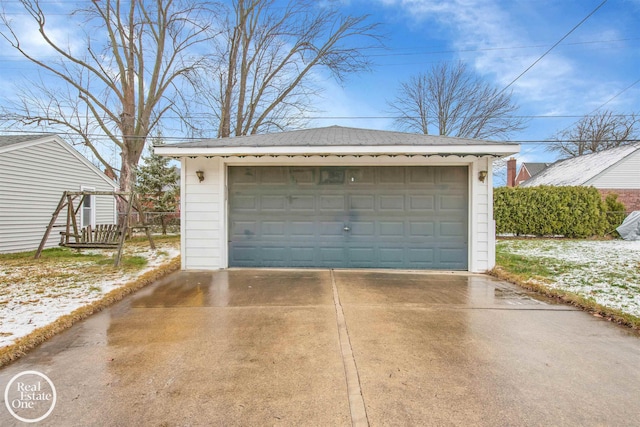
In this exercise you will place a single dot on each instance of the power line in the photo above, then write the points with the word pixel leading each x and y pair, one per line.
pixel 615 96
pixel 552 47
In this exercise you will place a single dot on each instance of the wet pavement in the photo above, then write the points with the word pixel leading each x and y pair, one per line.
pixel 322 347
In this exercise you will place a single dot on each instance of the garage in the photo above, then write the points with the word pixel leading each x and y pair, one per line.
pixel 413 217
pixel 337 197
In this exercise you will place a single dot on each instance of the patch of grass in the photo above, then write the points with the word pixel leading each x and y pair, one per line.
pixel 534 267
pixel 95 289
pixel 537 274
pixel 156 238
pixel 52 253
pixel 127 262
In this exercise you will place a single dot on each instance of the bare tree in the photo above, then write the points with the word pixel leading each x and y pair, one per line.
pixel 595 133
pixel 264 66
pixel 116 87
pixel 450 100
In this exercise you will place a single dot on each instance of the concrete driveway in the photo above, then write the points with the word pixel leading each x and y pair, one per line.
pixel 330 348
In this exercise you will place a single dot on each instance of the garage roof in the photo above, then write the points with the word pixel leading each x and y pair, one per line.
pixel 338 140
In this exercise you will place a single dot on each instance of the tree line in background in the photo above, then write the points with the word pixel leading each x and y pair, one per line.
pixel 240 67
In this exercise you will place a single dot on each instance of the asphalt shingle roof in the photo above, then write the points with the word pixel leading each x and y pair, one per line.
pixel 6 140
pixel 332 136
pixel 535 168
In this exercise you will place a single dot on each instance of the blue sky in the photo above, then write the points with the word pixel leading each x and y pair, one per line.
pixel 597 65
pixel 499 40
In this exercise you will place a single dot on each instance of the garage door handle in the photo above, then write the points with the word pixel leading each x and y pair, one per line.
pixel 346 228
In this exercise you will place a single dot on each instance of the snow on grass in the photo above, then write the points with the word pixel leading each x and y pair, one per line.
pixel 608 272
pixel 34 293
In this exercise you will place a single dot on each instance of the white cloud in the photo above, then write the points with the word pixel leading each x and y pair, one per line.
pixel 558 82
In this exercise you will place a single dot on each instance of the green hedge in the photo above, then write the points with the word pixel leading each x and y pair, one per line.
pixel 550 211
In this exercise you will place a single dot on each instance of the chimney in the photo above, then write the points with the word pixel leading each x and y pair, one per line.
pixel 511 172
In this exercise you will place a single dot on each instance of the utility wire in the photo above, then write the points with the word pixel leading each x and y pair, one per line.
pixel 615 96
pixel 552 47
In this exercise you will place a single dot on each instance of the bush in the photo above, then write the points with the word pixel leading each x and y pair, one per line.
pixel 550 211
pixel 616 212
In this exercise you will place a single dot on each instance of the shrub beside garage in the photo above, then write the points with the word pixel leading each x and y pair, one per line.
pixel 574 212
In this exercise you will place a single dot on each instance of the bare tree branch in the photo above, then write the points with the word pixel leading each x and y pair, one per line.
pixel 450 100
pixel 264 65
pixel 124 79
pixel 595 133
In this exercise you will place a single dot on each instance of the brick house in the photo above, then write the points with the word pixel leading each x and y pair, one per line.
pixel 616 170
pixel 527 170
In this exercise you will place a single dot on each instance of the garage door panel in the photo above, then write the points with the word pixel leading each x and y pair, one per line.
pixel 391 175
pixel 332 254
pixel 273 254
pixel 362 203
pixel 332 203
pixel 422 176
pixel 274 175
pixel 452 175
pixel 302 176
pixel 392 257
pixel 394 229
pixel 303 255
pixel 273 228
pixel 424 204
pixel 331 228
pixel 419 256
pixel 362 229
pixel 360 176
pixel 454 202
pixel 245 254
pixel 421 228
pixel 390 217
pixel 248 203
pixel 243 175
pixel 394 203
pixel 361 256
pixel 244 229
pixel 302 228
pixel 273 203
pixel 452 229
pixel 451 258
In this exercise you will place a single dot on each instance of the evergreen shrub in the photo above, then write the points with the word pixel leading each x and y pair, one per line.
pixel 550 211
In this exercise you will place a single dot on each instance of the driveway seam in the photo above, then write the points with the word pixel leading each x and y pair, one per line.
pixel 356 401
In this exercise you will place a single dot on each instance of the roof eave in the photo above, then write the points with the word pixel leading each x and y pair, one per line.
pixel 497 150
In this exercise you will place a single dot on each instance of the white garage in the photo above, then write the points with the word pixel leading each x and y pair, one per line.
pixel 338 197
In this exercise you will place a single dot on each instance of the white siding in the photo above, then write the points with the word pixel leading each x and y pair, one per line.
pixel 623 175
pixel 203 214
pixel 32 180
pixel 481 229
pixel 204 210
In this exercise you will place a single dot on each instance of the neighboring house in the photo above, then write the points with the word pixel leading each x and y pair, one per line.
pixel 338 197
pixel 527 170
pixel 34 172
pixel 616 170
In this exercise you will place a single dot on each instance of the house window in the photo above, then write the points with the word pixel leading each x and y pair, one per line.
pixel 88 211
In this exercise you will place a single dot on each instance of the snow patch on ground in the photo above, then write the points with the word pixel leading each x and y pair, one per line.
pixel 36 295
pixel 606 271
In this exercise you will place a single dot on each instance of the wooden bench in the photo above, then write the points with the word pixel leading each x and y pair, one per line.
pixel 102 237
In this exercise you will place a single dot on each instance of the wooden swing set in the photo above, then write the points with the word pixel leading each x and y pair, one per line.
pixel 103 236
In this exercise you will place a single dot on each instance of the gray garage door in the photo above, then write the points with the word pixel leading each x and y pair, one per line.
pixel 383 217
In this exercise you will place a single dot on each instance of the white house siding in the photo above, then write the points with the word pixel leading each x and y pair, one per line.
pixel 204 204
pixel 203 209
pixel 482 228
pixel 32 180
pixel 623 175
